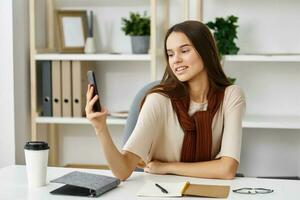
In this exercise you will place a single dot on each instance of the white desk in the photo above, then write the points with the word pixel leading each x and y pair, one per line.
pixel 13 185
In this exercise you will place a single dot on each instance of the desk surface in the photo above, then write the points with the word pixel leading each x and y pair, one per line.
pixel 13 184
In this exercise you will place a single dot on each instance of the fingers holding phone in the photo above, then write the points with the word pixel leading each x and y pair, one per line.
pixel 94 113
pixel 92 95
pixel 91 99
pixel 89 93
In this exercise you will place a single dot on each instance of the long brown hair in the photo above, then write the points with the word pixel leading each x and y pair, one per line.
pixel 204 43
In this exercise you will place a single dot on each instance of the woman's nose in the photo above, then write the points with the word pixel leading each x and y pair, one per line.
pixel 177 58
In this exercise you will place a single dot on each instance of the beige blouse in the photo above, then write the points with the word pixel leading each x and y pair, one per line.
pixel 159 136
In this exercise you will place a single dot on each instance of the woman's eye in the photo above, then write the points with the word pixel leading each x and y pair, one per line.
pixel 185 50
pixel 170 54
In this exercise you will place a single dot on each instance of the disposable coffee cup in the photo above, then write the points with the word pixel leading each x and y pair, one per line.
pixel 36 156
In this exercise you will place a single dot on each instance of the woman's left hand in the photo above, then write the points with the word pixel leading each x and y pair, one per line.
pixel 156 167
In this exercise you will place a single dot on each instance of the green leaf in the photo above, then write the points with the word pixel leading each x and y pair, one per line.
pixel 136 24
pixel 231 80
pixel 225 32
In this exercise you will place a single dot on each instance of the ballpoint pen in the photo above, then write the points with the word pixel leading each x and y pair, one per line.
pixel 161 188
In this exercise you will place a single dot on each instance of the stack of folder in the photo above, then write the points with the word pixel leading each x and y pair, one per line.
pixel 63 87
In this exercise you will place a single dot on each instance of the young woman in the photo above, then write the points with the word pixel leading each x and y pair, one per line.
pixel 190 124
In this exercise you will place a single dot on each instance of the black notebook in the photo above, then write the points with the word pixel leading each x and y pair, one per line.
pixel 85 184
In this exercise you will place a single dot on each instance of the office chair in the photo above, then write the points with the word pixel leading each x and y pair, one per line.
pixel 135 110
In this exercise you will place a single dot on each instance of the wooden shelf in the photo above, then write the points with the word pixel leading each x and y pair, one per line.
pixel 250 121
pixel 272 122
pixel 93 57
pixel 263 58
pixel 48 53
pixel 76 120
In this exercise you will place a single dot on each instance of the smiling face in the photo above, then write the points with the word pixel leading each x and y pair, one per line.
pixel 183 59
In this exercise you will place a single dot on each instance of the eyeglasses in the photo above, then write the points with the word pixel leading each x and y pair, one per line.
pixel 253 191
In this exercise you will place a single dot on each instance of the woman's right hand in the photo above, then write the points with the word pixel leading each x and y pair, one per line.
pixel 98 119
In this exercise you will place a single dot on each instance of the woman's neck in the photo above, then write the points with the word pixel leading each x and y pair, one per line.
pixel 198 89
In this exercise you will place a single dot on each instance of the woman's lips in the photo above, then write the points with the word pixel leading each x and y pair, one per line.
pixel 181 69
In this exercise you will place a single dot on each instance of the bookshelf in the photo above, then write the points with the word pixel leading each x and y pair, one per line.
pixel 264 110
pixel 42 48
pixel 267 69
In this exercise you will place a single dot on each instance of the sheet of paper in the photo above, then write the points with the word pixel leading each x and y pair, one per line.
pixel 149 189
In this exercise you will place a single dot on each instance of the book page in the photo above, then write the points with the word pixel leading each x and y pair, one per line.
pixel 149 189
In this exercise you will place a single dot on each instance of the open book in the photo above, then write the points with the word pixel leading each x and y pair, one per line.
pixel 177 189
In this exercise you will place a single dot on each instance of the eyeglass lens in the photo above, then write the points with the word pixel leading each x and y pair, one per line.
pixel 253 191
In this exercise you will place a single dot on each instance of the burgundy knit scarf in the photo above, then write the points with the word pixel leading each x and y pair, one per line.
pixel 197 142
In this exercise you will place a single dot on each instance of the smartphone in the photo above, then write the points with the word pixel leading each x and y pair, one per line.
pixel 92 81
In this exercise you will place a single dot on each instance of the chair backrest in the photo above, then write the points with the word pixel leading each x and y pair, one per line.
pixel 135 110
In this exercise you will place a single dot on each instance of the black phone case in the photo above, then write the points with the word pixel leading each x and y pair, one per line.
pixel 92 81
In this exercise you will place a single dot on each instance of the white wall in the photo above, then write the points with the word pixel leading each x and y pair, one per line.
pixel 14 81
pixel 7 122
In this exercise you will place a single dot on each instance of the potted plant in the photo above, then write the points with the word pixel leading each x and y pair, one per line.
pixel 225 32
pixel 138 27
